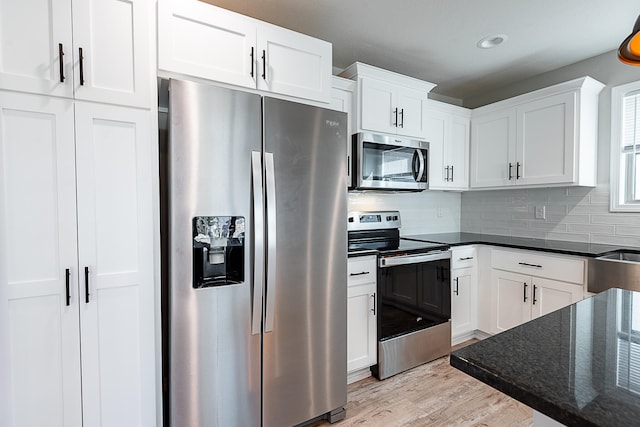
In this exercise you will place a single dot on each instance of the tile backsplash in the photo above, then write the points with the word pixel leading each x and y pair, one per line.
pixel 577 214
pixel 424 212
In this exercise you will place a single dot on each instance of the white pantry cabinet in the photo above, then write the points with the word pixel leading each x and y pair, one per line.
pixel 95 50
pixel 201 40
pixel 543 138
pixel 464 293
pixel 77 333
pixel 447 130
pixel 361 313
pixel 528 285
pixel 388 102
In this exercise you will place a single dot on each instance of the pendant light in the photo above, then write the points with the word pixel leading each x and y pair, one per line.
pixel 629 50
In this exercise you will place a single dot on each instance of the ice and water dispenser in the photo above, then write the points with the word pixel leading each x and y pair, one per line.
pixel 218 251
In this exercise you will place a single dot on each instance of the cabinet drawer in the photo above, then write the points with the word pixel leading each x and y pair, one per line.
pixel 463 256
pixel 361 270
pixel 534 264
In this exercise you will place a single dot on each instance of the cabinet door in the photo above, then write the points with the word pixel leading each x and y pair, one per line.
pixel 293 64
pixel 550 295
pixel 377 110
pixel 342 100
pixel 114 67
pixel 493 138
pixel 115 233
pixel 201 40
pixel 39 331
pixel 463 313
pixel 361 326
pixel 458 153
pixel 546 139
pixel 513 306
pixel 30 35
pixel 409 103
pixel 435 125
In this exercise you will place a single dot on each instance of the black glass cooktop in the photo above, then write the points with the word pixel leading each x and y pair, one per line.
pixel 394 245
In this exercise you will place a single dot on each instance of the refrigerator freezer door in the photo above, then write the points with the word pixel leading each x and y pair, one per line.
pixel 305 354
pixel 214 357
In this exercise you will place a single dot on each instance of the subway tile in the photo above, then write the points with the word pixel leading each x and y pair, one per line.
pixel 569 219
pixel 625 230
pixel 615 240
pixel 602 199
pixel 569 237
pixel 618 219
pixel 528 233
pixel 542 225
pixel 589 209
pixel 591 228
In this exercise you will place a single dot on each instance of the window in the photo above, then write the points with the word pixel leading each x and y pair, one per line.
pixel 625 148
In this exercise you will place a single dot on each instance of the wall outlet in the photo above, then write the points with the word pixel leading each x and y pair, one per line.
pixel 541 212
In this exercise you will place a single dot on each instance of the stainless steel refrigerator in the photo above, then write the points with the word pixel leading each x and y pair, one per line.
pixel 256 257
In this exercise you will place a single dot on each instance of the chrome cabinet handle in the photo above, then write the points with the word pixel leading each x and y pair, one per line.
pixel 271 241
pixel 61 61
pixel 359 274
pixel 395 113
pixel 446 173
pixel 67 274
pixel 451 173
pixel 374 303
pixel 81 58
pixel 402 117
pixel 258 224
pixel 526 264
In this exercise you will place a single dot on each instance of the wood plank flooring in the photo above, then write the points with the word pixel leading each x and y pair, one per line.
pixel 434 394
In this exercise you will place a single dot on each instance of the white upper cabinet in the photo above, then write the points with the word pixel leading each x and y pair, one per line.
pixel 543 138
pixel 106 60
pixel 447 131
pixel 201 40
pixel 388 102
pixel 342 100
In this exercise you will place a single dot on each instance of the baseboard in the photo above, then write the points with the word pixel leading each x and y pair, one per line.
pixel 358 375
pixel 477 334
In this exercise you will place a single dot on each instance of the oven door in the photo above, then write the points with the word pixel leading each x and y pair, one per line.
pixel 414 311
pixel 390 163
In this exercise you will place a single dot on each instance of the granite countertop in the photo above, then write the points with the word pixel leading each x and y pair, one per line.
pixel 557 246
pixel 579 365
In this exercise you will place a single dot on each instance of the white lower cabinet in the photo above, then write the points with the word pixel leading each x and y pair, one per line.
pixel 77 330
pixel 521 296
pixel 361 313
pixel 464 280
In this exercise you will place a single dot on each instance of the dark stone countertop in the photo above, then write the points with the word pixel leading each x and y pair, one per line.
pixel 556 246
pixel 579 365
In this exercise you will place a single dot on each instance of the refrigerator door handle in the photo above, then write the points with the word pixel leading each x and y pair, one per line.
pixel 258 255
pixel 271 241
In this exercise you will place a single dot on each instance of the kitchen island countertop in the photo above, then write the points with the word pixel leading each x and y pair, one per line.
pixel 579 365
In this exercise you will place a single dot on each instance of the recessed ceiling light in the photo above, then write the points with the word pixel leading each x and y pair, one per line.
pixel 492 41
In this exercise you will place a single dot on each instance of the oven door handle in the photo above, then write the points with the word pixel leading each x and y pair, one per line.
pixel 413 259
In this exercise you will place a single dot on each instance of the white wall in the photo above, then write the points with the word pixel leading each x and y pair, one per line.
pixel 575 214
pixel 425 212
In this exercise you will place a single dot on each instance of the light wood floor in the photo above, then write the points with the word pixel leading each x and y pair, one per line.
pixel 434 394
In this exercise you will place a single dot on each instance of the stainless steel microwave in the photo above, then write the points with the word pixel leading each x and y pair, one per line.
pixel 384 162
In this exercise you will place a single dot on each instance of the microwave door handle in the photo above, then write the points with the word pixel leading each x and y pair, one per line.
pixel 421 165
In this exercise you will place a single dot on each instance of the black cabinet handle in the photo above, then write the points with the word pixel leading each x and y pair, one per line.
pixel 534 294
pixel 517 170
pixel 456 291
pixel 446 173
pixel 264 64
pixel 525 292
pixel 374 303
pixel 86 285
pixel 81 67
pixel 395 114
pixel 526 264
pixel 465 258
pixel 61 61
pixel 252 61
pixel 359 274
pixel 402 118
pixel 510 166
pixel 67 274
pixel 452 173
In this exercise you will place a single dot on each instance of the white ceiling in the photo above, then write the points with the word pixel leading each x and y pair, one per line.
pixel 435 40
